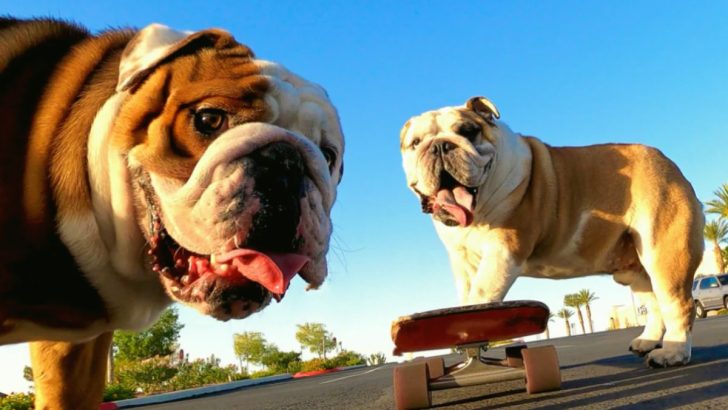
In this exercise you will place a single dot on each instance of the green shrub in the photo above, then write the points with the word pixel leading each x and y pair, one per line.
pixel 348 358
pixel 150 375
pixel 376 359
pixel 164 374
pixel 278 361
pixel 239 376
pixel 723 312
pixel 118 391
pixel 317 364
pixel 17 401
pixel 201 373
pixel 312 365
pixel 263 373
pixel 294 367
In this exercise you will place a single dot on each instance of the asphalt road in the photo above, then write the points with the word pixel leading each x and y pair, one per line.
pixel 597 371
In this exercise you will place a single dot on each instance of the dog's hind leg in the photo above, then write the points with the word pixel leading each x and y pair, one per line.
pixel 667 229
pixel 676 305
pixel 651 336
pixel 70 376
pixel 671 269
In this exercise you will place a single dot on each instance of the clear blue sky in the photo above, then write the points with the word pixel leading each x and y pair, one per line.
pixel 568 72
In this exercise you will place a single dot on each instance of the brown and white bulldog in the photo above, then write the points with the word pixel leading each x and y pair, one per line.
pixel 506 205
pixel 138 168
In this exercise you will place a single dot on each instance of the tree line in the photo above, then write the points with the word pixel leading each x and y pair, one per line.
pixel 253 348
pixel 716 230
pixel 583 298
pixel 152 361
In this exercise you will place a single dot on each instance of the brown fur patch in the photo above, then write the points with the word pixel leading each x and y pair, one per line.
pixel 159 116
pixel 39 280
pixel 56 364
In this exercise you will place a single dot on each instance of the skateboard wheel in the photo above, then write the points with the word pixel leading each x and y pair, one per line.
pixel 514 357
pixel 435 367
pixel 542 369
pixel 410 386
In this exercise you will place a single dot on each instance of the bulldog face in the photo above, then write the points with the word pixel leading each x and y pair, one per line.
pixel 448 154
pixel 232 165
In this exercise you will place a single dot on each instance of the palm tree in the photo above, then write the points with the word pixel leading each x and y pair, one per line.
pixel 566 314
pixel 572 300
pixel 719 206
pixel 550 319
pixel 717 232
pixel 586 298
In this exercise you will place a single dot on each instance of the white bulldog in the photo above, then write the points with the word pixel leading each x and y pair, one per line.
pixel 505 206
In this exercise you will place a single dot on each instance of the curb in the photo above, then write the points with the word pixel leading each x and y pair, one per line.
pixel 315 372
pixel 208 390
pixel 319 372
pixel 190 393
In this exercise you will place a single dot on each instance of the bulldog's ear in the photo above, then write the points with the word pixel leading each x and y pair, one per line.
pixel 484 107
pixel 157 43
pixel 403 132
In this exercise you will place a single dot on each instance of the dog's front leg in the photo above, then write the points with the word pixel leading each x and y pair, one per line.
pixel 70 375
pixel 496 272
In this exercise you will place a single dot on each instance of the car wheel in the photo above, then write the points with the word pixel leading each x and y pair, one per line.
pixel 699 310
pixel 725 302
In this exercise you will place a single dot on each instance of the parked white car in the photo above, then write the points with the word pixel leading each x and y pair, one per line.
pixel 710 293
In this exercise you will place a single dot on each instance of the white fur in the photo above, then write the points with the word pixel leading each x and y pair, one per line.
pixel 303 116
pixel 155 42
pixel 513 163
pixel 190 216
pixel 107 244
pixel 483 267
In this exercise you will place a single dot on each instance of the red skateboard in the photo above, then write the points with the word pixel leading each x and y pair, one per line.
pixel 471 329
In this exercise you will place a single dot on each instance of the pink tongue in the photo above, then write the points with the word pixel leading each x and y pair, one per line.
pixel 273 271
pixel 458 202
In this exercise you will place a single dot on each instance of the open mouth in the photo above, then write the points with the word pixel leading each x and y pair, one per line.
pixel 454 203
pixel 241 277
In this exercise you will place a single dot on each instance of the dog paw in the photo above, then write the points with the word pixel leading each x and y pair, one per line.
pixel 676 355
pixel 641 347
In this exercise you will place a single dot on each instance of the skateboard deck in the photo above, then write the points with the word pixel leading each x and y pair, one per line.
pixel 463 325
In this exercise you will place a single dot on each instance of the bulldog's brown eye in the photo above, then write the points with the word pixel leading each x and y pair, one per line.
pixel 210 120
pixel 415 142
pixel 330 155
pixel 469 130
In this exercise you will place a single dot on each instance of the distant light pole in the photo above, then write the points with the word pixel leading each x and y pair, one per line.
pixel 634 309
pixel 110 364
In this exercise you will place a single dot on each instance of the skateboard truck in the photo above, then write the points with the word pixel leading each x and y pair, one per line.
pixel 475 370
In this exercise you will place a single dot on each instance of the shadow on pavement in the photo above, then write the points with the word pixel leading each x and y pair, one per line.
pixel 704 379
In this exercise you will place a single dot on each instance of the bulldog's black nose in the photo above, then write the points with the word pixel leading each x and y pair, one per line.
pixel 278 170
pixel 442 147
pixel 279 167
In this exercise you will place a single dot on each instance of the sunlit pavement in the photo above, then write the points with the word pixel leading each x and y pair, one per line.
pixel 597 370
